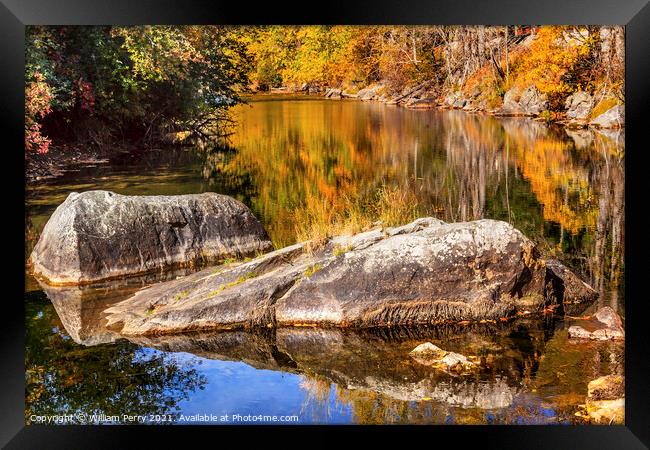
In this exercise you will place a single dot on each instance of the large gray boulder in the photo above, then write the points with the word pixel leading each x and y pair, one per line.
pixel 579 105
pixel 605 324
pixel 532 101
pixel 511 101
pixel 98 235
pixel 426 272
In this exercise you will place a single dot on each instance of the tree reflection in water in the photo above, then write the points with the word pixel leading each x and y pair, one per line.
pixel 63 377
pixel 562 188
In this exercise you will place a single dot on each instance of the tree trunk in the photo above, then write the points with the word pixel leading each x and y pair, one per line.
pixel 481 44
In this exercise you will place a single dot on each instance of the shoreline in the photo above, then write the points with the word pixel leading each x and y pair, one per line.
pixel 447 103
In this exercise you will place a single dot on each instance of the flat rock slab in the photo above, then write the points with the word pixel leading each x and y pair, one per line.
pixel 425 272
pixel 99 235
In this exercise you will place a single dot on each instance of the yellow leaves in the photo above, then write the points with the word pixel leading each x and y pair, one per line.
pixel 547 61
pixel 603 106
pixel 559 184
pixel 158 52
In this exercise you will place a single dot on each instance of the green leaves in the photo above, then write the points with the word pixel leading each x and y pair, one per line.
pixel 133 78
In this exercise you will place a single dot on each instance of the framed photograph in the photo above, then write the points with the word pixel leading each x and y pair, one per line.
pixel 418 217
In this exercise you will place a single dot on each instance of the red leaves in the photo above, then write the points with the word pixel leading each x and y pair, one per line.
pixel 38 98
pixel 85 94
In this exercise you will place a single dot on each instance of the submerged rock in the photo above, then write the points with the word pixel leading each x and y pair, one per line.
pixel 422 273
pixel 606 388
pixel 97 235
pixel 428 350
pixel 609 317
pixel 457 362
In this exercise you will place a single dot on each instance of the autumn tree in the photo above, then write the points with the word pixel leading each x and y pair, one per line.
pixel 102 84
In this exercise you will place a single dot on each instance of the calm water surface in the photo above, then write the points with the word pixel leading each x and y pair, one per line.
pixel 563 189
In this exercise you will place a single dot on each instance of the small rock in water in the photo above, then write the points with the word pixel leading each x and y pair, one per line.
pixel 428 350
pixel 606 334
pixel 432 355
pixel 613 327
pixel 455 361
pixel 608 387
pixel 606 399
pixel 576 331
pixel 609 317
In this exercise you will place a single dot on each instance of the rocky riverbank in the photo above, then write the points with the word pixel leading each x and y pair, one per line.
pixel 59 160
pixel 581 109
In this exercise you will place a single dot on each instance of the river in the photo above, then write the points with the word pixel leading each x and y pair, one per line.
pixel 563 188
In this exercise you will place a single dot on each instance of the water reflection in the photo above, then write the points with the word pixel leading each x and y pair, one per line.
pixel 63 377
pixel 530 371
pixel 562 188
pixel 79 308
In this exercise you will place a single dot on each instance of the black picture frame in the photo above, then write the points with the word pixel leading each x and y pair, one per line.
pixel 634 14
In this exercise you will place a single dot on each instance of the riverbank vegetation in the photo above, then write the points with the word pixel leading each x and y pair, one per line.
pixel 109 86
pixel 558 60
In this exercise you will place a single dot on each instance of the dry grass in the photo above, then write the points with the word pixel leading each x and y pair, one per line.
pixel 223 287
pixel 181 295
pixel 313 269
pixel 341 250
pixel 320 220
